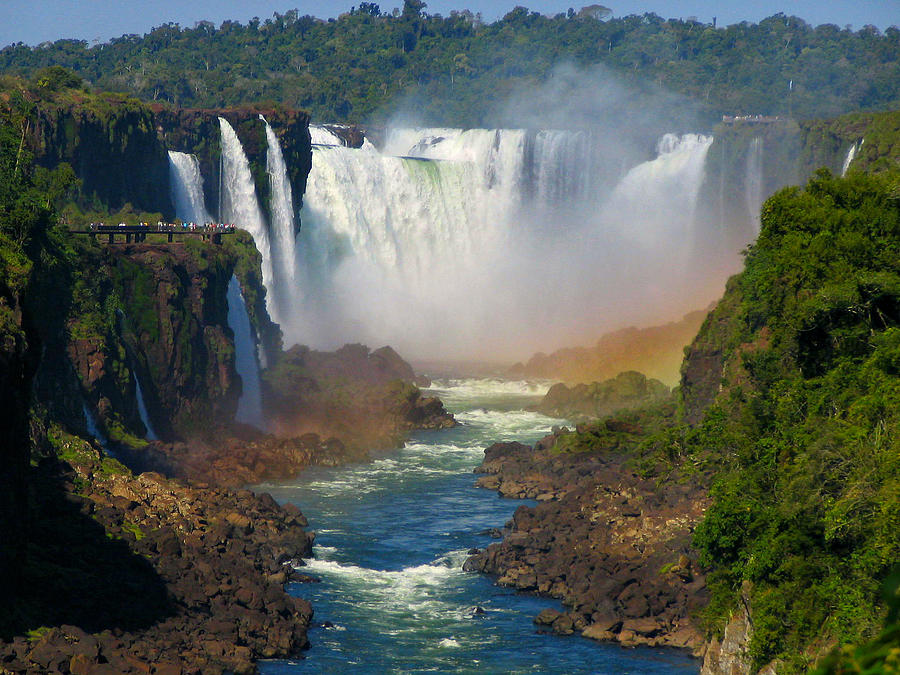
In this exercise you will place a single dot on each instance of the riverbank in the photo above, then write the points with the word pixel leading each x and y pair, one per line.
pixel 612 546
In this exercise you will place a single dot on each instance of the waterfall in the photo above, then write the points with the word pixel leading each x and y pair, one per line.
pixel 851 155
pixel 142 407
pixel 186 185
pixel 283 225
pixel 323 136
pixel 249 408
pixel 93 429
pixel 139 392
pixel 477 243
pixel 481 242
pixel 241 206
pixel 753 181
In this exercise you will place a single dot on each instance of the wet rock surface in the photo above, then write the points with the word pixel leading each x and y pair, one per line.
pixel 242 458
pixel 614 547
pixel 141 574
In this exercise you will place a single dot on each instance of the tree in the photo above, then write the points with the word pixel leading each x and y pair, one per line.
pixel 598 12
pixel 55 78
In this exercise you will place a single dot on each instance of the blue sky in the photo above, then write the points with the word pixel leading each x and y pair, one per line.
pixel 35 21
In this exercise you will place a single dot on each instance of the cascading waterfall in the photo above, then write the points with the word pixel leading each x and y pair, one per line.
pixel 241 206
pixel 250 410
pixel 477 243
pixel 465 243
pixel 851 155
pixel 753 181
pixel 323 136
pixel 283 224
pixel 186 185
pixel 93 429
pixel 142 407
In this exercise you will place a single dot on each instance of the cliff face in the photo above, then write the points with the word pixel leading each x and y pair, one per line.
pixel 15 389
pixel 112 145
pixel 157 314
pixel 117 146
pixel 791 390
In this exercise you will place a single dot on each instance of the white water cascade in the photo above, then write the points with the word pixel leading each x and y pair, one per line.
pixel 250 410
pixel 753 181
pixel 323 136
pixel 486 243
pixel 93 429
pixel 851 155
pixel 142 408
pixel 283 225
pixel 186 185
pixel 241 206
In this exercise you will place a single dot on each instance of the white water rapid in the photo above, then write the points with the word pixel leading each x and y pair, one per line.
pixel 186 185
pixel 492 242
pixel 250 410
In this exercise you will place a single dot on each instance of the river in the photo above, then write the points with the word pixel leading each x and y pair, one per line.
pixel 391 539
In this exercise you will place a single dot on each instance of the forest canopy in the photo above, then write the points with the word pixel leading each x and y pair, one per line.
pixel 459 69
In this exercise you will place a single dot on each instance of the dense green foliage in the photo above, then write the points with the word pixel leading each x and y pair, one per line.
pixel 806 432
pixel 460 69
pixel 85 147
pixel 801 444
pixel 26 217
pixel 880 656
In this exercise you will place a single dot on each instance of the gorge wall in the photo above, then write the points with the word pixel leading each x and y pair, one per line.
pixel 117 146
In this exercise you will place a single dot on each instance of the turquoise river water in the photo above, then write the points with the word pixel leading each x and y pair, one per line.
pixel 392 536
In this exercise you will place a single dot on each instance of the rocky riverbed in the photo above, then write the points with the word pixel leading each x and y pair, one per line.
pixel 142 574
pixel 613 546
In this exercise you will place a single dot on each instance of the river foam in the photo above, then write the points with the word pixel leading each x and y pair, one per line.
pixel 392 536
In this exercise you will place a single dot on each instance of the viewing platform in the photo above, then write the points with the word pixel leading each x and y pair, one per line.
pixel 138 233
pixel 732 120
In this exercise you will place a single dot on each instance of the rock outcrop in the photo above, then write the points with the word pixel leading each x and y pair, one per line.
pixel 141 573
pixel 729 656
pixel 159 315
pixel 241 456
pixel 599 399
pixel 614 547
pixel 365 398
pixel 656 351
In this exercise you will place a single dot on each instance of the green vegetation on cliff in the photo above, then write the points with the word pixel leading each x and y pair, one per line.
pixel 790 411
pixel 462 69
pixel 805 430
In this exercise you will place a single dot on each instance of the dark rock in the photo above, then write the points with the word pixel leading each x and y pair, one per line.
pixel 598 543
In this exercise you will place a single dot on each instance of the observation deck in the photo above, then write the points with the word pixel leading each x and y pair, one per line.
pixel 138 233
